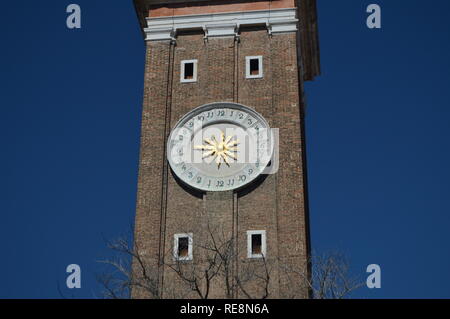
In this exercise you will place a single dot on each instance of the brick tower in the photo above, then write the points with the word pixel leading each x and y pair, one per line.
pixel 245 60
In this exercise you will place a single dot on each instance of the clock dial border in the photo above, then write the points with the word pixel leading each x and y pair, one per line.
pixel 245 117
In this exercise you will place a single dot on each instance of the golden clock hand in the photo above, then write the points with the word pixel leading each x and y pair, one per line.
pixel 209 153
pixel 233 156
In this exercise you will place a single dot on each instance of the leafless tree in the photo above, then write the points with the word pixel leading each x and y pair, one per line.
pixel 259 273
pixel 217 263
pixel 327 276
pixel 118 283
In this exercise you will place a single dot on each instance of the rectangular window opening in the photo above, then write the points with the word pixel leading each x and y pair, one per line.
pixel 189 71
pixel 183 247
pixel 257 244
pixel 254 66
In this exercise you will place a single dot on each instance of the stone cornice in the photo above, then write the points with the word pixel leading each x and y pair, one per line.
pixel 221 24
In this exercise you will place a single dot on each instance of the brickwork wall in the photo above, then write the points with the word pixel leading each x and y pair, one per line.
pixel 218 6
pixel 276 205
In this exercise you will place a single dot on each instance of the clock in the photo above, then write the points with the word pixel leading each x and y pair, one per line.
pixel 220 147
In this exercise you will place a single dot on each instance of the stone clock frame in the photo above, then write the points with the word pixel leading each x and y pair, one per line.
pixel 203 176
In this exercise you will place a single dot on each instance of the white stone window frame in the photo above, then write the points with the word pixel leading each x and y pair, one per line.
pixel 248 75
pixel 250 254
pixel 194 75
pixel 175 246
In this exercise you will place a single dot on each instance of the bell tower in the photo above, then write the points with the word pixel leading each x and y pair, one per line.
pixel 215 226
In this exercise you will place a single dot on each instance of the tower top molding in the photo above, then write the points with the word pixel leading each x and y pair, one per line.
pixel 303 19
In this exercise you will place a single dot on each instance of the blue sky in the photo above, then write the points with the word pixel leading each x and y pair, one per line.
pixel 377 126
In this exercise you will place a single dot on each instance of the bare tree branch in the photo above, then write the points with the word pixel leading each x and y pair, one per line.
pixel 218 263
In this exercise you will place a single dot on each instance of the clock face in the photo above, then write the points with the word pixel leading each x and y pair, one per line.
pixel 220 147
